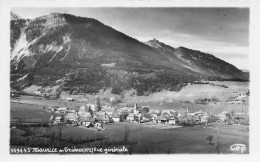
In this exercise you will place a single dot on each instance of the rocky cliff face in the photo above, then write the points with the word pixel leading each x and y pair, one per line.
pixel 84 54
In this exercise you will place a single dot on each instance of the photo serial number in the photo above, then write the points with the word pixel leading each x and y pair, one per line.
pixel 33 150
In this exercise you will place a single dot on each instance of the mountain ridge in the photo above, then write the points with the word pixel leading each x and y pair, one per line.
pixel 190 56
pixel 75 49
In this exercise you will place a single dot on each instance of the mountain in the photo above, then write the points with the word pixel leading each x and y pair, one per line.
pixel 197 61
pixel 84 55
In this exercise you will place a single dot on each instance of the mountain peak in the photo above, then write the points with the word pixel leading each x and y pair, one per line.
pixel 155 40
pixel 159 45
pixel 154 43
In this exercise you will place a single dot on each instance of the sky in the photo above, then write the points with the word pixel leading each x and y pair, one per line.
pixel 223 32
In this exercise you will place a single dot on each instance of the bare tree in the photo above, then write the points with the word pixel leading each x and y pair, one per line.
pixel 218 143
pixel 126 134
pixel 209 138
pixel 60 132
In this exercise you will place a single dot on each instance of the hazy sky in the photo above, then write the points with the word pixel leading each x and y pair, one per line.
pixel 223 32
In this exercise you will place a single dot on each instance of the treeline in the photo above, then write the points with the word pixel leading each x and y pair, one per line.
pixel 92 82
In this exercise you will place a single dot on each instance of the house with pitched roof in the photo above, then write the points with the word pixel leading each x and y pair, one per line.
pixel 205 117
pixel 87 122
pixel 57 120
pixel 130 117
pixel 103 118
pixel 163 119
pixel 85 115
pixel 168 111
pixel 116 116
pixel 71 117
pixel 173 120
pixel 63 109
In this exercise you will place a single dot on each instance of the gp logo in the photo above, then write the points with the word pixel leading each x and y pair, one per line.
pixel 238 148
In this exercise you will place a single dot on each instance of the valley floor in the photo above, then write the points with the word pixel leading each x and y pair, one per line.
pixel 141 138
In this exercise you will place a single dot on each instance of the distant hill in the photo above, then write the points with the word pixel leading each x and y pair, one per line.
pixel 84 55
pixel 197 61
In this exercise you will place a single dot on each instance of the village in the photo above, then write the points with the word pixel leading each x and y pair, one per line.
pixel 94 116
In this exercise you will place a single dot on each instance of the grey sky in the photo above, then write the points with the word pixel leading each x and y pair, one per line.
pixel 223 32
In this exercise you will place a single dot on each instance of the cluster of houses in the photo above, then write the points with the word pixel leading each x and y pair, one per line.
pixel 180 118
pixel 88 116
pixel 230 118
pixel 85 116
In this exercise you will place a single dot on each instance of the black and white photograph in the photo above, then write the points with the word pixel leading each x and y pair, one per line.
pixel 129 80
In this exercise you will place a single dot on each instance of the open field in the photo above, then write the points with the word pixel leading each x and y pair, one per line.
pixel 150 140
pixel 43 102
pixel 182 107
pixel 180 140
pixel 28 113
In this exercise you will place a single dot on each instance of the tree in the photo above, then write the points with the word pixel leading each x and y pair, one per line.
pixel 218 143
pixel 60 132
pixel 145 110
pixel 90 111
pixel 116 90
pixel 98 104
pixel 209 138
pixel 123 116
pixel 58 93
